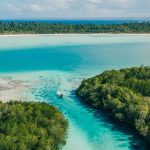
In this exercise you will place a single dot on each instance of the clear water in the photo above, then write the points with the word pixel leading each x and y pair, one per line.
pixel 53 63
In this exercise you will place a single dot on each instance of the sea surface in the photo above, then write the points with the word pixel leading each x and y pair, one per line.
pixel 81 21
pixel 53 63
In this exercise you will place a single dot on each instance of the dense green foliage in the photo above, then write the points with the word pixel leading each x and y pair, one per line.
pixel 31 126
pixel 47 28
pixel 125 93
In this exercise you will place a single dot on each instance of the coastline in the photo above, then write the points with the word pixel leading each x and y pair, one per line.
pixel 62 34
pixel 72 108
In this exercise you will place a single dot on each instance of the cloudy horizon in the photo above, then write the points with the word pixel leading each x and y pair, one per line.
pixel 63 9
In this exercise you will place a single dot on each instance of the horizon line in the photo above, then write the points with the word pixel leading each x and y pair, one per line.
pixel 114 18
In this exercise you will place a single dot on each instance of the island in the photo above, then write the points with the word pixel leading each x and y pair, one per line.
pixel 35 27
pixel 31 125
pixel 125 94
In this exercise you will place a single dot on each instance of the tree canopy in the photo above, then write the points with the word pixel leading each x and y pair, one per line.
pixel 13 27
pixel 31 126
pixel 125 93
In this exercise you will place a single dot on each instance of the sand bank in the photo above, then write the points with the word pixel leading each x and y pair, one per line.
pixel 25 41
pixel 13 89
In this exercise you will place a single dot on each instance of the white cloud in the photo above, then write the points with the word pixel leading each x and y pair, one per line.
pixel 122 3
pixel 61 4
pixel 74 8
pixel 13 8
pixel 35 7
pixel 96 1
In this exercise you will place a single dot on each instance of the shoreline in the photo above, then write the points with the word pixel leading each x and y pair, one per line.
pixel 71 34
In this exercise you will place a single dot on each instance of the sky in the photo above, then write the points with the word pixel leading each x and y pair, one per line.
pixel 44 9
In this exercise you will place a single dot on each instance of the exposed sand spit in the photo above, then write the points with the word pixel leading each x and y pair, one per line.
pixel 13 89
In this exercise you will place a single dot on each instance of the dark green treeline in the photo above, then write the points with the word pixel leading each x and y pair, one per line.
pixel 51 28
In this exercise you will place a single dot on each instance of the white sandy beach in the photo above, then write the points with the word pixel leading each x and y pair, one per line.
pixel 63 34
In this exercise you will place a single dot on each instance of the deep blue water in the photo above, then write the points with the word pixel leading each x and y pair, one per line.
pixel 63 68
pixel 82 21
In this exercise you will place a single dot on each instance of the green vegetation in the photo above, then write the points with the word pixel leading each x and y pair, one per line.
pixel 31 126
pixel 124 93
pixel 47 28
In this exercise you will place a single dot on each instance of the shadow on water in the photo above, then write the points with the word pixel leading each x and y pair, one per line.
pixel 136 141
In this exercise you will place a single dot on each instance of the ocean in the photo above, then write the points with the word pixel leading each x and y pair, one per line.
pixel 80 21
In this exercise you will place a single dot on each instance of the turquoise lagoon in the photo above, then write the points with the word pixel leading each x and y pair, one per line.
pixel 60 62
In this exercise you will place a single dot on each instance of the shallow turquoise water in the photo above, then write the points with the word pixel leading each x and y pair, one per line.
pixel 62 67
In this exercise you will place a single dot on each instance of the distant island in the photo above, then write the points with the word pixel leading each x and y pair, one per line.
pixel 124 93
pixel 31 126
pixel 53 28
